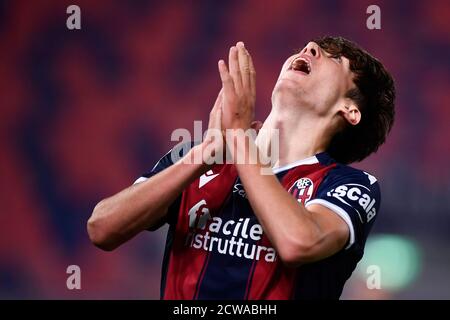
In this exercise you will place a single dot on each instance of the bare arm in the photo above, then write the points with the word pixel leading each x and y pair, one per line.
pixel 300 235
pixel 120 217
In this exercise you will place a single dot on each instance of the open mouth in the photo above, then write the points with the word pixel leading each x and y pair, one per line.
pixel 302 65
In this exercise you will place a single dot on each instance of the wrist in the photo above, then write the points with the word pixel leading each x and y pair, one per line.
pixel 242 147
pixel 195 159
pixel 207 153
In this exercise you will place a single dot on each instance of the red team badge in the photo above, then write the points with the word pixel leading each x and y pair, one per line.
pixel 302 190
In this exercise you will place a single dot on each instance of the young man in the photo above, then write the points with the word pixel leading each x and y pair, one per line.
pixel 296 233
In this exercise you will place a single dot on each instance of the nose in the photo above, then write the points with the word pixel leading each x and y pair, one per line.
pixel 313 49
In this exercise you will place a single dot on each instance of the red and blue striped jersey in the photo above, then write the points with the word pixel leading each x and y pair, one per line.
pixel 216 249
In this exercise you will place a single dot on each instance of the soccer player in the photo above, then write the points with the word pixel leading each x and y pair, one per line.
pixel 295 233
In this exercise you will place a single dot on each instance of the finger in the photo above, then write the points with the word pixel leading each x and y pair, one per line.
pixel 235 72
pixel 243 64
pixel 257 125
pixel 218 102
pixel 252 76
pixel 216 116
pixel 227 80
pixel 215 120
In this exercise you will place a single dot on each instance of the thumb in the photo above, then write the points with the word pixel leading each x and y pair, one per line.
pixel 256 125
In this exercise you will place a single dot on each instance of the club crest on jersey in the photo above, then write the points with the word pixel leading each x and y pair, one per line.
pixel 302 190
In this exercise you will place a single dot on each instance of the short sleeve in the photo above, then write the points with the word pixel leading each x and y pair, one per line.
pixel 165 162
pixel 355 196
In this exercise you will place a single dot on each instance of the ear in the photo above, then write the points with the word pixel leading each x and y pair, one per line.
pixel 350 112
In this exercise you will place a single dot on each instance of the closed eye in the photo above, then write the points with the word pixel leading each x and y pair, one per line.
pixel 338 59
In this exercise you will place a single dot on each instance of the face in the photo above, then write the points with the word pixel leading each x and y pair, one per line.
pixel 313 79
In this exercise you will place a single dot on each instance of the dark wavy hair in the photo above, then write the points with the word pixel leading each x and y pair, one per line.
pixel 374 95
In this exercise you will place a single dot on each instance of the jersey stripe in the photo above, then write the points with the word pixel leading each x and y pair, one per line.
pixel 187 265
pixel 275 280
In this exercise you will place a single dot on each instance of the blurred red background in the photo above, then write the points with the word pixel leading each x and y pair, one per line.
pixel 85 112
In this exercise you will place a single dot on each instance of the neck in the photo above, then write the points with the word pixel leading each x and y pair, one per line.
pixel 299 137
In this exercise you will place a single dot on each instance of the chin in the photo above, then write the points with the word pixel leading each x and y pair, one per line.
pixel 285 86
pixel 286 93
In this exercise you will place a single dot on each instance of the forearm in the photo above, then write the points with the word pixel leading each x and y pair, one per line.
pixel 287 223
pixel 121 216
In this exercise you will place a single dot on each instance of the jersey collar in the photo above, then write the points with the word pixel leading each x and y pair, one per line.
pixel 322 158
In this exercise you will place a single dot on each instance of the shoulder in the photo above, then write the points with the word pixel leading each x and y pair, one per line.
pixel 345 173
pixel 352 190
pixel 341 173
pixel 354 195
pixel 172 156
